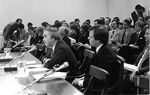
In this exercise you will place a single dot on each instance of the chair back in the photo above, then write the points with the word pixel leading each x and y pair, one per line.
pixel 117 87
pixel 88 55
pixel 98 73
pixel 143 83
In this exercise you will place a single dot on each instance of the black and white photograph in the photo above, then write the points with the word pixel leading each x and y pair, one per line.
pixel 74 47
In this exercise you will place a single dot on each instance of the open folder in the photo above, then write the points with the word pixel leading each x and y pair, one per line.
pixel 130 67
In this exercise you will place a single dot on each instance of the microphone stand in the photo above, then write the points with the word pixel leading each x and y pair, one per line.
pixel 16 58
pixel 55 69
pixel 37 80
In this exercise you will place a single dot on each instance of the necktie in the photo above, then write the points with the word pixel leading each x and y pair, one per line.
pixel 123 36
pixel 112 34
pixel 52 53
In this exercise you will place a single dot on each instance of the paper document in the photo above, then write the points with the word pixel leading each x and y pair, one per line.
pixel 34 66
pixel 130 67
pixel 36 69
pixel 52 76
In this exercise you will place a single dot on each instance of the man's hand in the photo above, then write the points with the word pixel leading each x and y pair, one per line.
pixel 78 81
pixel 46 60
pixel 132 75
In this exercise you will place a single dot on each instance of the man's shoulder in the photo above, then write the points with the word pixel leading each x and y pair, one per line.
pixel 133 13
pixel 62 45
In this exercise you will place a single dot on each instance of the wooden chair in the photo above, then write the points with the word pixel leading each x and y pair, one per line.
pixel 103 75
pixel 119 83
pixel 88 55
pixel 100 74
pixel 142 82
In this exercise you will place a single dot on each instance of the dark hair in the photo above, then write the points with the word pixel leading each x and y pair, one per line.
pixel 88 20
pixel 108 18
pixel 115 21
pixel 85 26
pixel 44 24
pixel 75 27
pixel 18 19
pixel 116 18
pixel 29 24
pixel 57 24
pixel 100 21
pixel 20 25
pixel 127 21
pixel 76 19
pixel 93 28
pixel 138 7
pixel 101 35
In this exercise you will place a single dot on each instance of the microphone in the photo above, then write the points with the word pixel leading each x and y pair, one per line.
pixel 17 44
pixel 64 65
pixel 9 68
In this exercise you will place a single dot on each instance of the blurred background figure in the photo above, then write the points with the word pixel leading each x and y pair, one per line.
pixel 11 29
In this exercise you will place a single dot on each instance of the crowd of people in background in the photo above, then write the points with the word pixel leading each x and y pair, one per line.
pixel 127 38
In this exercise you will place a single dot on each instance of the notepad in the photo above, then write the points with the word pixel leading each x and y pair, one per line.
pixel 130 67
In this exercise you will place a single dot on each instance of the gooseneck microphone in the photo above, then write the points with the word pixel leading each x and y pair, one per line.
pixel 10 68
pixel 15 45
pixel 64 65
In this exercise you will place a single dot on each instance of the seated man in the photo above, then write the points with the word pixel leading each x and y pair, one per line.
pixel 142 62
pixel 104 58
pixel 60 52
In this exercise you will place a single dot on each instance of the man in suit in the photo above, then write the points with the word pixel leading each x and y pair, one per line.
pixel 136 44
pixel 142 62
pixel 137 13
pixel 60 52
pixel 124 38
pixel 137 41
pixel 104 58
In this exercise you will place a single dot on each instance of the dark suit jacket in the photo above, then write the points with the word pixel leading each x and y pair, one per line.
pixel 105 59
pixel 62 53
pixel 126 37
pixel 138 40
pixel 67 41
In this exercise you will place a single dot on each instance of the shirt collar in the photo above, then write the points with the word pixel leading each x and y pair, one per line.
pixel 53 48
pixel 97 49
pixel 139 32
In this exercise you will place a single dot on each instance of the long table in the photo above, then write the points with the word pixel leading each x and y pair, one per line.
pixel 11 85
